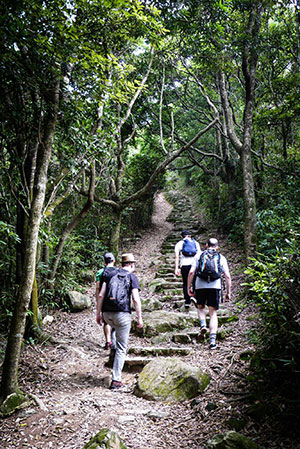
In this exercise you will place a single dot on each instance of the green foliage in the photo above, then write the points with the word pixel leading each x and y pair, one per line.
pixel 8 241
pixel 140 167
pixel 274 286
pixel 276 225
pixel 233 219
pixel 278 218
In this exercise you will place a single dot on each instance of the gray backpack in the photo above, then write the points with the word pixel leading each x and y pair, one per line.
pixel 118 291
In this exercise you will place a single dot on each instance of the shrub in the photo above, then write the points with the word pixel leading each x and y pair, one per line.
pixel 274 285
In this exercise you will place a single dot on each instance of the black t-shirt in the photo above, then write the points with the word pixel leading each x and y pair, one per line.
pixel 107 274
pixel 107 306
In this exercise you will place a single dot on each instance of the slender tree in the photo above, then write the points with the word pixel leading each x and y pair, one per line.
pixel 42 44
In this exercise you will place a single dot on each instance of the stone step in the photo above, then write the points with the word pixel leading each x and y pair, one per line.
pixel 168 252
pixel 172 239
pixel 169 275
pixel 137 362
pixel 168 245
pixel 170 285
pixel 170 292
pixel 159 351
pixel 180 227
pixel 181 338
pixel 173 298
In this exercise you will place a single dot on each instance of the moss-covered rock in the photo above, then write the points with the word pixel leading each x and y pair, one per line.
pixel 170 379
pixel 181 338
pixel 78 301
pixel 231 440
pixel 105 439
pixel 161 321
pixel 13 402
pixel 162 338
pixel 156 285
pixel 150 304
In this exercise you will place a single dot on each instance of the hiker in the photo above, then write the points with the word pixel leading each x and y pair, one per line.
pixel 207 287
pixel 109 261
pixel 115 309
pixel 185 252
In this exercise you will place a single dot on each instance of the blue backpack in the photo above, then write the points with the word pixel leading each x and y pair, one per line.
pixel 189 248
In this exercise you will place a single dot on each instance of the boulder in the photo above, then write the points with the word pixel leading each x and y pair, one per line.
pixel 13 402
pixel 181 338
pixel 170 379
pixel 161 321
pixel 231 440
pixel 156 285
pixel 105 439
pixel 78 301
pixel 150 304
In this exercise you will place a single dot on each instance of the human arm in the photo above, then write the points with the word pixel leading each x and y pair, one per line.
pixel 190 280
pixel 137 305
pixel 228 286
pixel 177 269
pixel 99 303
pixel 97 291
pixel 178 248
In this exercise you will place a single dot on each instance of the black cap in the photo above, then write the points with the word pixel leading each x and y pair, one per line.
pixel 185 233
pixel 109 257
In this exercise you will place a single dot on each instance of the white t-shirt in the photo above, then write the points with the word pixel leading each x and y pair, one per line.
pixel 183 260
pixel 202 283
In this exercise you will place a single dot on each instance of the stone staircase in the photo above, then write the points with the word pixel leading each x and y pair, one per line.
pixel 172 331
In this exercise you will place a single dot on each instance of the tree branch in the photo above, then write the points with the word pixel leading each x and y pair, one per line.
pixel 140 193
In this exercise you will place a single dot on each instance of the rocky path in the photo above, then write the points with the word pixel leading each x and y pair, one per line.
pixel 69 382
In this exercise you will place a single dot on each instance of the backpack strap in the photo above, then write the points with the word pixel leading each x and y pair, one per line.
pixel 220 271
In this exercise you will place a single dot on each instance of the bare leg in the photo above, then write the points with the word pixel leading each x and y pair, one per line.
pixel 201 312
pixel 107 333
pixel 202 318
pixel 213 326
pixel 213 322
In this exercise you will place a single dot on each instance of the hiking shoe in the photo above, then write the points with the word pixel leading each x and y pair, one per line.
pixel 111 358
pixel 193 301
pixel 212 346
pixel 108 345
pixel 202 333
pixel 116 384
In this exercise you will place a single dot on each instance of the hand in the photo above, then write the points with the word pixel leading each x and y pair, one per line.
pixel 140 323
pixel 177 272
pixel 227 297
pixel 99 319
pixel 191 293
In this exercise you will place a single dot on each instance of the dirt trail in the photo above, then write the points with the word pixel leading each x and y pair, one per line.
pixel 70 381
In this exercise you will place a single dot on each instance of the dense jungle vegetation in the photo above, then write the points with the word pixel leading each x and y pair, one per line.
pixel 104 102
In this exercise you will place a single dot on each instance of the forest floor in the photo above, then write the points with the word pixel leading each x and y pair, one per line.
pixel 69 381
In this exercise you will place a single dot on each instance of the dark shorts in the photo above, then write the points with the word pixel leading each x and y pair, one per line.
pixel 209 297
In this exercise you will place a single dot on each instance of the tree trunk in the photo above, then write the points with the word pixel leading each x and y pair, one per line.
pixel 115 232
pixel 75 222
pixel 249 203
pixel 249 63
pixel 9 382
